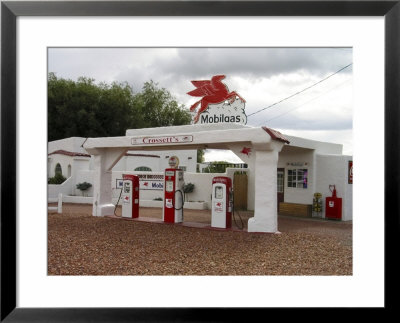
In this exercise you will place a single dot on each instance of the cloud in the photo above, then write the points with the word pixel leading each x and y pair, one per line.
pixel 221 155
pixel 262 76
pixel 256 62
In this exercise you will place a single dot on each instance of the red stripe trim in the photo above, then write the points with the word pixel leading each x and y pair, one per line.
pixel 276 135
pixel 142 155
pixel 69 153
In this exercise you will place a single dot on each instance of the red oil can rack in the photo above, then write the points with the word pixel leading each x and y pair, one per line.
pixel 333 205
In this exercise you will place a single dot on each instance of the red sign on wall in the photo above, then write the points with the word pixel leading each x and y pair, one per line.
pixel 350 172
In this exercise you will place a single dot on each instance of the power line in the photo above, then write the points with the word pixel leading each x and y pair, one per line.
pixel 313 99
pixel 307 88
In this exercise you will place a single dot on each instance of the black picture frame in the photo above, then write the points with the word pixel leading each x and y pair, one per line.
pixel 10 10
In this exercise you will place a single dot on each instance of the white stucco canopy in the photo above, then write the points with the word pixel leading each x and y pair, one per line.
pixel 259 147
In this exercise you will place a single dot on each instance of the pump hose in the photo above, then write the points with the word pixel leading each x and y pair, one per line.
pixel 116 205
pixel 233 215
pixel 183 201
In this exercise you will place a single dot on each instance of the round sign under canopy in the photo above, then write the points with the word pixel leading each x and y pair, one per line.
pixel 173 162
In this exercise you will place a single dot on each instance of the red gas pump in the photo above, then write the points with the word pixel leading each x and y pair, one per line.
pixel 173 195
pixel 130 196
pixel 222 203
pixel 333 205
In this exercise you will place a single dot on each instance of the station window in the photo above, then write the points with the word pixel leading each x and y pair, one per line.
pixel 184 168
pixel 143 169
pixel 297 178
pixel 58 169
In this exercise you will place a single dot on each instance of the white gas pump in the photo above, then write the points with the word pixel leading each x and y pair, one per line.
pixel 130 196
pixel 221 213
pixel 173 196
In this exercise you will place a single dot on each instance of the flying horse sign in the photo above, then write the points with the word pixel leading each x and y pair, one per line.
pixel 217 105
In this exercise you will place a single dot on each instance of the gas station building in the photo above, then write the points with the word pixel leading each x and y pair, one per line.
pixel 284 172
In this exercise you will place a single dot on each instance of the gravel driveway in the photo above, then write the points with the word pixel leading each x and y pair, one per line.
pixel 80 244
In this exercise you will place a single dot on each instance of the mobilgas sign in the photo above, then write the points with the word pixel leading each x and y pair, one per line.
pixel 224 113
pixel 217 105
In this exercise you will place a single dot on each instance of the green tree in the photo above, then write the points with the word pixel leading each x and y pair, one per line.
pixel 200 155
pixel 217 167
pixel 158 108
pixel 85 109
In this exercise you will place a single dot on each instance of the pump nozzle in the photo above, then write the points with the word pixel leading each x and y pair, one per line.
pixel 333 191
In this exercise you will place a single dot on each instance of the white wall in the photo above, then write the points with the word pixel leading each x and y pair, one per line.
pixel 202 186
pixel 130 163
pixel 333 170
pixel 77 164
pixel 55 159
pixel 157 160
pixel 54 189
pixel 72 144
pixel 133 162
pixel 302 159
pixel 120 165
pixel 302 154
pixel 83 175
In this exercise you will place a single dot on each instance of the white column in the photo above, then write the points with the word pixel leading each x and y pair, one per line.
pixel 265 205
pixel 60 201
pixel 103 163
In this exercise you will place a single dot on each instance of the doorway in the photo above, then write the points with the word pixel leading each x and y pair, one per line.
pixel 280 186
pixel 240 191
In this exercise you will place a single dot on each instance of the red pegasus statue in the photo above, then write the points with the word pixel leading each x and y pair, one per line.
pixel 213 91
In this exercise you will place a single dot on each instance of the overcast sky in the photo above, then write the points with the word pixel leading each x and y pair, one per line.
pixel 262 76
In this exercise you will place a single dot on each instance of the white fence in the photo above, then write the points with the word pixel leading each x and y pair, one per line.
pixel 57 208
pixel 200 198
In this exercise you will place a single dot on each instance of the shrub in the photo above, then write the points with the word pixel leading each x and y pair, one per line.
pixel 188 188
pixel 57 179
pixel 83 186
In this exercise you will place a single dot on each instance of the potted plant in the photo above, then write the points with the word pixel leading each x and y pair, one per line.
pixel 188 188
pixel 83 187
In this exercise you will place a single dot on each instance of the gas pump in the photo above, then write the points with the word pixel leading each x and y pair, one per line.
pixel 173 195
pixel 130 196
pixel 222 202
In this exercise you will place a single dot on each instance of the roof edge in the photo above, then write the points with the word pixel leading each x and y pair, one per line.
pixel 276 135
pixel 68 153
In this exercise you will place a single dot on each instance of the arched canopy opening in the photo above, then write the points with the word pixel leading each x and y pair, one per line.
pixel 259 147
